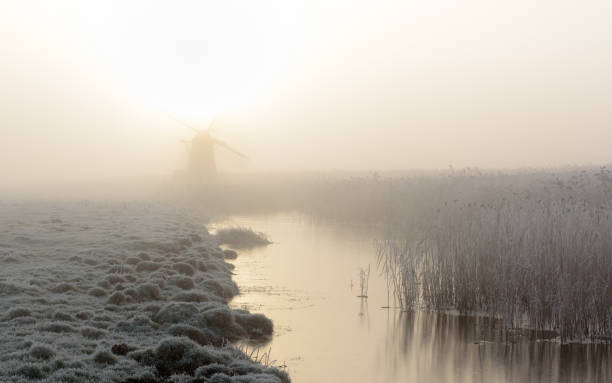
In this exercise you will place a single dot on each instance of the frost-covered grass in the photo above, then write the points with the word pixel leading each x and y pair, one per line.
pixel 104 292
pixel 238 237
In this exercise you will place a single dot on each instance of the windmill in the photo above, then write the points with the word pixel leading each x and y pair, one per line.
pixel 201 148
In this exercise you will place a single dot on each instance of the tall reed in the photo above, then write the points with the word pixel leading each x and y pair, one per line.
pixel 364 280
pixel 540 258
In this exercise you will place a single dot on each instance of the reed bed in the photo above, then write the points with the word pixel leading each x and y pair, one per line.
pixel 537 257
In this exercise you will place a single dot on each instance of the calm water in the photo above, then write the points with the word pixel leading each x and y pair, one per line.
pixel 307 282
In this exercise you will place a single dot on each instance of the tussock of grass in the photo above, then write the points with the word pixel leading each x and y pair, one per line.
pixel 241 238
pixel 41 351
pixel 18 313
pixel 175 356
pixel 104 357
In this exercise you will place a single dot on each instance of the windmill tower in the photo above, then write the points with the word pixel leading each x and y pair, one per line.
pixel 201 161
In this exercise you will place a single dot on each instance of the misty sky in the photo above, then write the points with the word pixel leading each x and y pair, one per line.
pixel 87 88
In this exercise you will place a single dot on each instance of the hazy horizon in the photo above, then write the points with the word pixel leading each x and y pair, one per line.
pixel 90 89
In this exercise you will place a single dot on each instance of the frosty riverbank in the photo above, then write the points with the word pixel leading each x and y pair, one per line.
pixel 94 291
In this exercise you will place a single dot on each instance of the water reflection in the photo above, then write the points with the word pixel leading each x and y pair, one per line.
pixel 306 283
pixel 430 347
pixel 364 312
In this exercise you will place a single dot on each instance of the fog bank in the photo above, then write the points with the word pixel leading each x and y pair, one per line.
pixel 90 91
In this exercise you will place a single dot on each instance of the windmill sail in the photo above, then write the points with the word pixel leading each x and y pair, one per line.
pixel 201 148
pixel 223 144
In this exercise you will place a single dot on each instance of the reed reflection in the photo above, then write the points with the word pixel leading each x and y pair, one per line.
pixel 430 347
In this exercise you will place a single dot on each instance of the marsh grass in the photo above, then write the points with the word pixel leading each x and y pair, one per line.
pixel 538 259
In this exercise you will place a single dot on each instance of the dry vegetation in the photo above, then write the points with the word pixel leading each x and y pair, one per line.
pixel 532 250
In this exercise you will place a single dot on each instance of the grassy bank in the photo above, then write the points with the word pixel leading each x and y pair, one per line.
pixel 105 292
